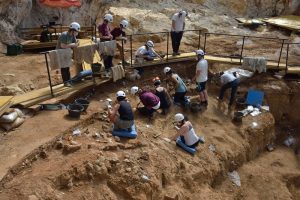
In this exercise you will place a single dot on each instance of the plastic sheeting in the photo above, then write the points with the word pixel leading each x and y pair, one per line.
pixel 61 3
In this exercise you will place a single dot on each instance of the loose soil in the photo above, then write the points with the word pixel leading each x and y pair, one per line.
pixel 34 167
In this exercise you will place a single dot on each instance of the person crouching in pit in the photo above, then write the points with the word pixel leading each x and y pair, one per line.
pixel 186 131
pixel 121 114
pixel 150 101
pixel 162 93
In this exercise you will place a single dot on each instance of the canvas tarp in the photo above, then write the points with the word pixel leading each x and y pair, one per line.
pixel 61 3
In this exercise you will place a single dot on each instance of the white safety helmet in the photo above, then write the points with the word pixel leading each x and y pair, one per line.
pixel 150 44
pixel 200 52
pixel 134 90
pixel 183 12
pixel 167 69
pixel 75 26
pixel 124 23
pixel 121 94
pixel 108 17
pixel 179 117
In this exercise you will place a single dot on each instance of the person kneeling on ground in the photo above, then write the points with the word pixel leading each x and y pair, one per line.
pixel 186 131
pixel 121 114
pixel 228 80
pixel 162 93
pixel 146 53
pixel 180 87
pixel 150 101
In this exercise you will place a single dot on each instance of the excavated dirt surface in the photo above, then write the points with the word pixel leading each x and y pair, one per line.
pixel 147 167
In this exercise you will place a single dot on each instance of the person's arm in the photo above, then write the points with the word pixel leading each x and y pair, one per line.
pixel 112 112
pixel 173 24
pixel 72 45
pixel 157 55
pixel 198 72
pixel 174 80
pixel 182 131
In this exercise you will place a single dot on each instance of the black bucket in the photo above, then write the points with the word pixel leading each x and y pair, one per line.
pixel 96 67
pixel 75 110
pixel 195 107
pixel 240 102
pixel 85 103
pixel 238 116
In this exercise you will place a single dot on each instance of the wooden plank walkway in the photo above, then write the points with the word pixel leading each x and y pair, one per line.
pixel 191 56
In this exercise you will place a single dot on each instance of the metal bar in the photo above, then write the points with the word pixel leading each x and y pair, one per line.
pixel 280 53
pixel 287 58
pixel 241 56
pixel 123 56
pixel 49 77
pixel 204 42
pixel 168 46
pixel 131 50
pixel 199 39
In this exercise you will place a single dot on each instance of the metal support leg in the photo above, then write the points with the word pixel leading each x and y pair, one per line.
pixel 282 44
pixel 131 50
pixel 241 56
pixel 167 46
pixel 49 76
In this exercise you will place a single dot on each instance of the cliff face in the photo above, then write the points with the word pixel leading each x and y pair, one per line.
pixel 30 13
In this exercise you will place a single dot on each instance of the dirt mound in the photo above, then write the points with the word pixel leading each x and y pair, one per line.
pixel 108 167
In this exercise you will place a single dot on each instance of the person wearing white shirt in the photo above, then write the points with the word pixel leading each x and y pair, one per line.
pixel 178 25
pixel 146 52
pixel 228 80
pixel 201 77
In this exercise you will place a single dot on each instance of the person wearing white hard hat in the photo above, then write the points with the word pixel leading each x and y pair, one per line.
pixel 105 35
pixel 121 114
pixel 186 131
pixel 68 40
pixel 201 77
pixel 178 25
pixel 118 33
pixel 146 53
pixel 180 87
pixel 150 101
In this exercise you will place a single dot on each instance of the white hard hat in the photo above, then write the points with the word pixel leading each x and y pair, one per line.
pixel 75 26
pixel 124 23
pixel 108 17
pixel 134 90
pixel 121 94
pixel 149 44
pixel 167 69
pixel 200 52
pixel 179 117
pixel 183 12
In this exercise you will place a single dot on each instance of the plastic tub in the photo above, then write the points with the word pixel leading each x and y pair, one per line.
pixel 195 107
pixel 85 103
pixel 75 110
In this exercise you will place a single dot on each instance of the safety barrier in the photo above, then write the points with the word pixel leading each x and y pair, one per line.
pixel 284 47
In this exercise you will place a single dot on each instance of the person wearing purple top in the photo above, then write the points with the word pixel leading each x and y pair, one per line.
pixel 105 35
pixel 150 101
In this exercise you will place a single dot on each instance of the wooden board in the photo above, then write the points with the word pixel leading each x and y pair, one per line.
pixel 291 22
pixel 191 56
pixel 43 94
pixel 5 103
pixel 293 70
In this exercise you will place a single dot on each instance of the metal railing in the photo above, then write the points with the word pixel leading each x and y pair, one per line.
pixel 280 41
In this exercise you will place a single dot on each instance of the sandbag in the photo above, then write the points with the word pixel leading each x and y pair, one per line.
pixel 13 125
pixel 185 147
pixel 9 118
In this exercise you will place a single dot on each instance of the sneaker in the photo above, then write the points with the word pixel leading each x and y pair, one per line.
pixel 67 84
pixel 177 54
pixel 174 54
